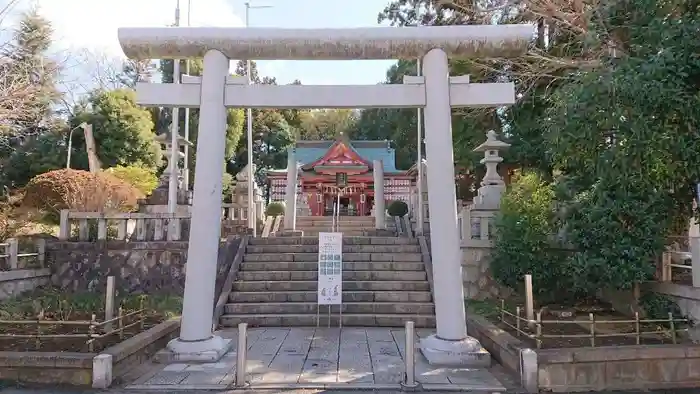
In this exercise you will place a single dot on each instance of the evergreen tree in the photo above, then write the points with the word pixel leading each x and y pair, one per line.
pixel 29 59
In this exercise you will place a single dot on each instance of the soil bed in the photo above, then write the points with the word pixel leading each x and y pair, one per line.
pixel 579 325
pixel 55 304
pixel 66 344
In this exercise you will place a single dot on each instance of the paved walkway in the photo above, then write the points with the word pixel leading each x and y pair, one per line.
pixel 320 358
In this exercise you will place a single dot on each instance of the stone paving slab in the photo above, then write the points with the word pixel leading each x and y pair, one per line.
pixel 322 358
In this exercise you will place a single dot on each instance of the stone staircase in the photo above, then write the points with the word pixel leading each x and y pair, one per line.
pixel 384 284
pixel 348 225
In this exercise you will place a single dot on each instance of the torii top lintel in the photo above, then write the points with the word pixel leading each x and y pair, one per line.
pixel 325 44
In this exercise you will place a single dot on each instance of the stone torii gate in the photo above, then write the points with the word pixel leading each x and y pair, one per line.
pixel 435 91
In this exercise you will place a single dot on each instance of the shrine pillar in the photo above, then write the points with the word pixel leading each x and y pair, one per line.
pixel 379 209
pixel 290 210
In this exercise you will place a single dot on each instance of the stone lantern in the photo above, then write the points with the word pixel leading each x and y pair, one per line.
pixel 166 147
pixel 492 186
pixel 158 200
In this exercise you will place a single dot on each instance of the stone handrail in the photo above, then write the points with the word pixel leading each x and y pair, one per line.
pixel 476 227
pixel 671 259
pixel 267 227
pixel 276 225
pixel 228 284
pixel 141 226
pixel 234 211
pixel 12 256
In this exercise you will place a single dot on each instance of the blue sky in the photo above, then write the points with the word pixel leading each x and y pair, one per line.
pixel 86 31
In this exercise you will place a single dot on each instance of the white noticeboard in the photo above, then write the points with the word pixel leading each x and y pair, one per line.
pixel 330 268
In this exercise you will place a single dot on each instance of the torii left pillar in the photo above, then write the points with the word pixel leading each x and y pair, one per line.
pixel 196 341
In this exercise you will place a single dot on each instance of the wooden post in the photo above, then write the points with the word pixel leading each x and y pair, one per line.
pixel 529 301
pixel 91 333
pixel 538 333
pixel 13 251
pixel 592 319
pixel 109 302
pixel 636 327
pixel 517 321
pixel 121 323
pixel 142 313
pixel 672 325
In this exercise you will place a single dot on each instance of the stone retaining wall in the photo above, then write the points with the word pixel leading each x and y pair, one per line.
pixel 139 267
pixel 16 282
pixel 476 274
pixel 62 368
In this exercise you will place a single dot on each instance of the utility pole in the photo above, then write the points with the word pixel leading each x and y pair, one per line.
pixel 174 133
pixel 186 167
pixel 419 126
pixel 252 218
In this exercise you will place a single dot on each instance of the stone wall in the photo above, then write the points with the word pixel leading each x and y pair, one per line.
pixel 139 267
pixel 16 282
pixel 476 274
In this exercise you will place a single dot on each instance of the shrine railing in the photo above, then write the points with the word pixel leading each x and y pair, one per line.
pixel 476 227
pixel 99 226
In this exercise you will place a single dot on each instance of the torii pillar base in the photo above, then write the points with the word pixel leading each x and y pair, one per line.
pixel 207 351
pixel 465 353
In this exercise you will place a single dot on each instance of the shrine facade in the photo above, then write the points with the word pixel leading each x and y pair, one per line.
pixel 341 171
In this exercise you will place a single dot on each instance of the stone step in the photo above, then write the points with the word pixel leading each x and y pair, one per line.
pixel 346 249
pixel 252 276
pixel 250 286
pixel 314 233
pixel 294 308
pixel 348 296
pixel 347 266
pixel 345 219
pixel 311 320
pixel 306 257
pixel 360 240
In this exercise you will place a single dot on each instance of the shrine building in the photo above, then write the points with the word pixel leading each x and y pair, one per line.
pixel 341 168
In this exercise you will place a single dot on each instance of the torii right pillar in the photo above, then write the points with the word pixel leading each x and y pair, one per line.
pixel 450 346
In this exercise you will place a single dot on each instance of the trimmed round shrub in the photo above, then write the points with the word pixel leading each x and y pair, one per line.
pixel 275 209
pixel 80 191
pixel 144 179
pixel 398 208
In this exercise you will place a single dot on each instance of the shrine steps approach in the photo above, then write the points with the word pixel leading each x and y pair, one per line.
pixel 384 284
pixel 348 225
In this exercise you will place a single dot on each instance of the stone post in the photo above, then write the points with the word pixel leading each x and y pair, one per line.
pixel 196 342
pixel 379 209
pixel 451 345
pixel 290 197
pixel 694 243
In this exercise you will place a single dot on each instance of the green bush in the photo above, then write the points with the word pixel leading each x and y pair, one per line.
pixel 144 179
pixel 275 209
pixel 524 240
pixel 398 208
pixel 228 183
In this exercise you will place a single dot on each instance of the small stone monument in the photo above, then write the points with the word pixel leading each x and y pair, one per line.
pixel 492 186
